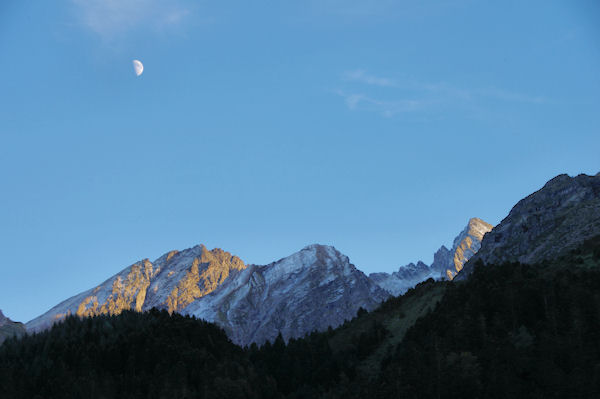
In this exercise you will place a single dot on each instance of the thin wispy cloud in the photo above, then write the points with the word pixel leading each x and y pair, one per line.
pixel 385 108
pixel 361 76
pixel 506 95
pixel 111 18
pixel 410 95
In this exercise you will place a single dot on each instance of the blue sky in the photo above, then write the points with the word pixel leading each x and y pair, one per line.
pixel 379 127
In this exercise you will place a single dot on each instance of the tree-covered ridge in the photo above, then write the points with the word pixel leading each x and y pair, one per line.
pixel 512 330
pixel 145 355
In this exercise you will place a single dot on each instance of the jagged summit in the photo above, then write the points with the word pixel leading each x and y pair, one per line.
pixel 558 217
pixel 465 245
pixel 316 246
pixel 446 262
pixel 477 228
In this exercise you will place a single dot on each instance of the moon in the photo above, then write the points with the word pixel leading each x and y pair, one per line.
pixel 138 67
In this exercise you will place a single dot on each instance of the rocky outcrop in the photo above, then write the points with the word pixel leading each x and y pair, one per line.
pixel 446 262
pixel 553 220
pixel 310 290
pixel 9 328
pixel 465 245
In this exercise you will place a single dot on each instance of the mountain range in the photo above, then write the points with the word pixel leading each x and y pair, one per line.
pixel 307 291
pixel 312 289
pixel 318 287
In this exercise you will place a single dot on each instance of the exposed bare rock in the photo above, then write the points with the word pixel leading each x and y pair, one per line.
pixel 446 262
pixel 172 282
pixel 398 282
pixel 555 219
pixel 312 289
pixel 466 245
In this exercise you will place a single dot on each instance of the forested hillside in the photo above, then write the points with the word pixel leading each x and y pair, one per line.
pixel 511 330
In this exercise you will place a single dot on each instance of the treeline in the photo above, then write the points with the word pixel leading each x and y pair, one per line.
pixel 510 331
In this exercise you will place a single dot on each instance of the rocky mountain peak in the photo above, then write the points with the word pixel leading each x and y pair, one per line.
pixel 221 258
pixel 478 228
pixel 311 289
pixel 442 256
pixel 466 244
pixel 558 217
pixel 318 262
pixel 172 282
pixel 446 262
pixel 323 252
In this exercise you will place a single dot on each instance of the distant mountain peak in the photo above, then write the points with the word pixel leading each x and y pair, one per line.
pixel 316 246
pixel 322 251
pixel 446 262
pixel 466 244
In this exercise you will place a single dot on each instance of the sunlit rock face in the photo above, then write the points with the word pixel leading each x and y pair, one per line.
pixel 172 282
pixel 312 289
pixel 446 262
pixel 555 219
pixel 9 328
pixel 466 244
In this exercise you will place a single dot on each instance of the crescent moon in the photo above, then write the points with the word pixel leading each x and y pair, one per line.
pixel 138 67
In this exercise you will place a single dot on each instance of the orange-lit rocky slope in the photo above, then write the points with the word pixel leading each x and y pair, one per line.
pixel 172 281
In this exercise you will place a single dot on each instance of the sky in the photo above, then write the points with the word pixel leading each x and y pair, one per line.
pixel 379 127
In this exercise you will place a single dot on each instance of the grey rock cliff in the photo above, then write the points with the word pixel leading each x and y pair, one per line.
pixel 553 220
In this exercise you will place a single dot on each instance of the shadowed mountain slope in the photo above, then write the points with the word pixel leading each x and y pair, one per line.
pixel 9 328
pixel 551 221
